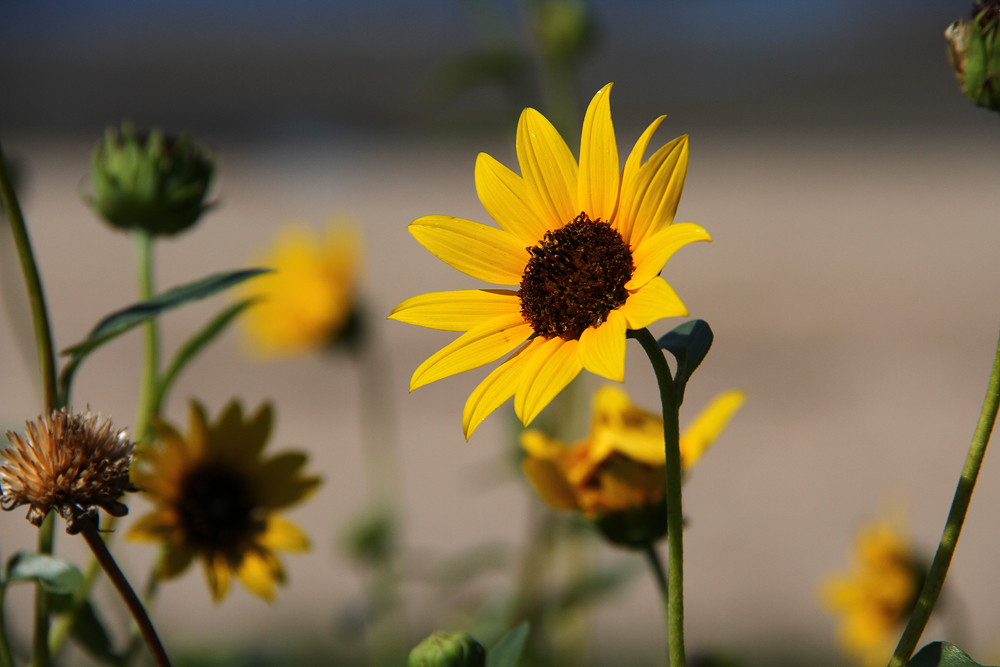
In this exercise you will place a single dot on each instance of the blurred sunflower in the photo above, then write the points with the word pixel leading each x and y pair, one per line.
pixel 585 243
pixel 876 598
pixel 216 498
pixel 616 475
pixel 308 301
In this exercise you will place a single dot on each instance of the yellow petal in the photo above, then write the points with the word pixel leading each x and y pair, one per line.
pixel 602 349
pixel 654 251
pixel 197 441
pixel 219 573
pixel 495 389
pixel 483 252
pixel 477 347
pixel 637 196
pixel 658 190
pixel 259 571
pixel 549 369
pixel 619 426
pixel 175 559
pixel 460 310
pixel 278 483
pixel 550 483
pixel 505 198
pixel 156 526
pixel 623 217
pixel 599 167
pixel 654 301
pixel 540 446
pixel 282 534
pixel 549 171
pixel 707 426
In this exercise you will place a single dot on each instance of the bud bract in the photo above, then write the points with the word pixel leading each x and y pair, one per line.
pixel 443 649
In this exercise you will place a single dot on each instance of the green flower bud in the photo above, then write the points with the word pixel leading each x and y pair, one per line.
pixel 634 528
pixel 444 649
pixel 152 182
pixel 564 29
pixel 974 52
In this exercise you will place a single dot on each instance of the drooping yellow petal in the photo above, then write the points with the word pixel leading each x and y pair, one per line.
pixel 283 535
pixel 550 483
pixel 602 349
pixel 654 251
pixel 460 310
pixel 153 527
pixel 599 167
pixel 259 571
pixel 707 426
pixel 659 185
pixel 619 426
pixel 549 369
pixel 623 216
pixel 654 301
pixel 483 252
pixel 219 573
pixel 549 170
pixel 540 446
pixel 496 388
pixel 177 556
pixel 505 197
pixel 477 347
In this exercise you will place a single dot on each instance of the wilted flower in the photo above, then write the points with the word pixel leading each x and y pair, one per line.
pixel 154 182
pixel 216 498
pixel 445 649
pixel 584 242
pixel 68 463
pixel 974 52
pixel 616 475
pixel 308 301
pixel 878 596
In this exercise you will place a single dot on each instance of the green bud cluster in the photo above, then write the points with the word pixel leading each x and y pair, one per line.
pixel 443 649
pixel 152 182
pixel 974 52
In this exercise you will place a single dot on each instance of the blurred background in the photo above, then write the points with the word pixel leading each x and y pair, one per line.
pixel 852 285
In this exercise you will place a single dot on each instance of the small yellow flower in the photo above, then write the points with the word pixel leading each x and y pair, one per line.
pixel 69 463
pixel 216 498
pixel 584 242
pixel 620 465
pixel 877 597
pixel 309 299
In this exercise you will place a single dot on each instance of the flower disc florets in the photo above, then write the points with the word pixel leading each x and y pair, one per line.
pixel 68 463
pixel 216 508
pixel 575 277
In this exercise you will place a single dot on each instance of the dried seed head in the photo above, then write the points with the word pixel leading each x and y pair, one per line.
pixel 69 463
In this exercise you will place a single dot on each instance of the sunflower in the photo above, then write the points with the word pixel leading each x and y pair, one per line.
pixel 876 598
pixel 215 498
pixel 308 301
pixel 585 244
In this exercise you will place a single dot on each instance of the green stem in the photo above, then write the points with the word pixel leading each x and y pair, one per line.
pixel 675 515
pixel 5 658
pixel 953 527
pixel 653 558
pixel 39 313
pixel 146 409
pixel 40 643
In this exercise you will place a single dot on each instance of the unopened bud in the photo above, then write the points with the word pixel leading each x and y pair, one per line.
pixel 444 649
pixel 974 52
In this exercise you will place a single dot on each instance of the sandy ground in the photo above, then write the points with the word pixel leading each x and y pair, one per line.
pixel 852 288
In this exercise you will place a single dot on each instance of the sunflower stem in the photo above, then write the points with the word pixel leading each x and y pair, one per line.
pixel 956 517
pixel 656 565
pixel 675 515
pixel 40 639
pixel 107 561
pixel 146 408
pixel 148 597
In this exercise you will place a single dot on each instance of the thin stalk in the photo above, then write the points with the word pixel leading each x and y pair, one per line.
pixel 5 658
pixel 148 597
pixel 953 527
pixel 145 409
pixel 40 639
pixel 675 515
pixel 653 558
pixel 107 561
pixel 33 282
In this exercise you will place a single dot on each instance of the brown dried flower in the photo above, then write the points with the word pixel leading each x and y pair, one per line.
pixel 68 463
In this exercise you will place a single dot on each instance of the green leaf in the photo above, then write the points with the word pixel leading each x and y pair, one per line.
pixel 942 654
pixel 508 650
pixel 196 343
pixel 88 629
pixel 689 343
pixel 54 574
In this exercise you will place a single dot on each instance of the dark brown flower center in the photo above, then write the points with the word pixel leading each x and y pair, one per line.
pixel 216 507
pixel 575 277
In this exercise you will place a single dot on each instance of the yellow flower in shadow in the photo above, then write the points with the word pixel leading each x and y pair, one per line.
pixel 584 242
pixel 216 496
pixel 876 598
pixel 616 475
pixel 308 301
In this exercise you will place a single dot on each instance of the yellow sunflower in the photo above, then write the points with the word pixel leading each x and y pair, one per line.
pixel 876 598
pixel 308 301
pixel 585 244
pixel 215 498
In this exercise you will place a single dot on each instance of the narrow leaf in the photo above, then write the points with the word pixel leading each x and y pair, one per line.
pixel 54 574
pixel 942 654
pixel 508 650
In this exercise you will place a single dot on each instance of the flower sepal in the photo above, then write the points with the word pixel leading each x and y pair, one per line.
pixel 636 527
